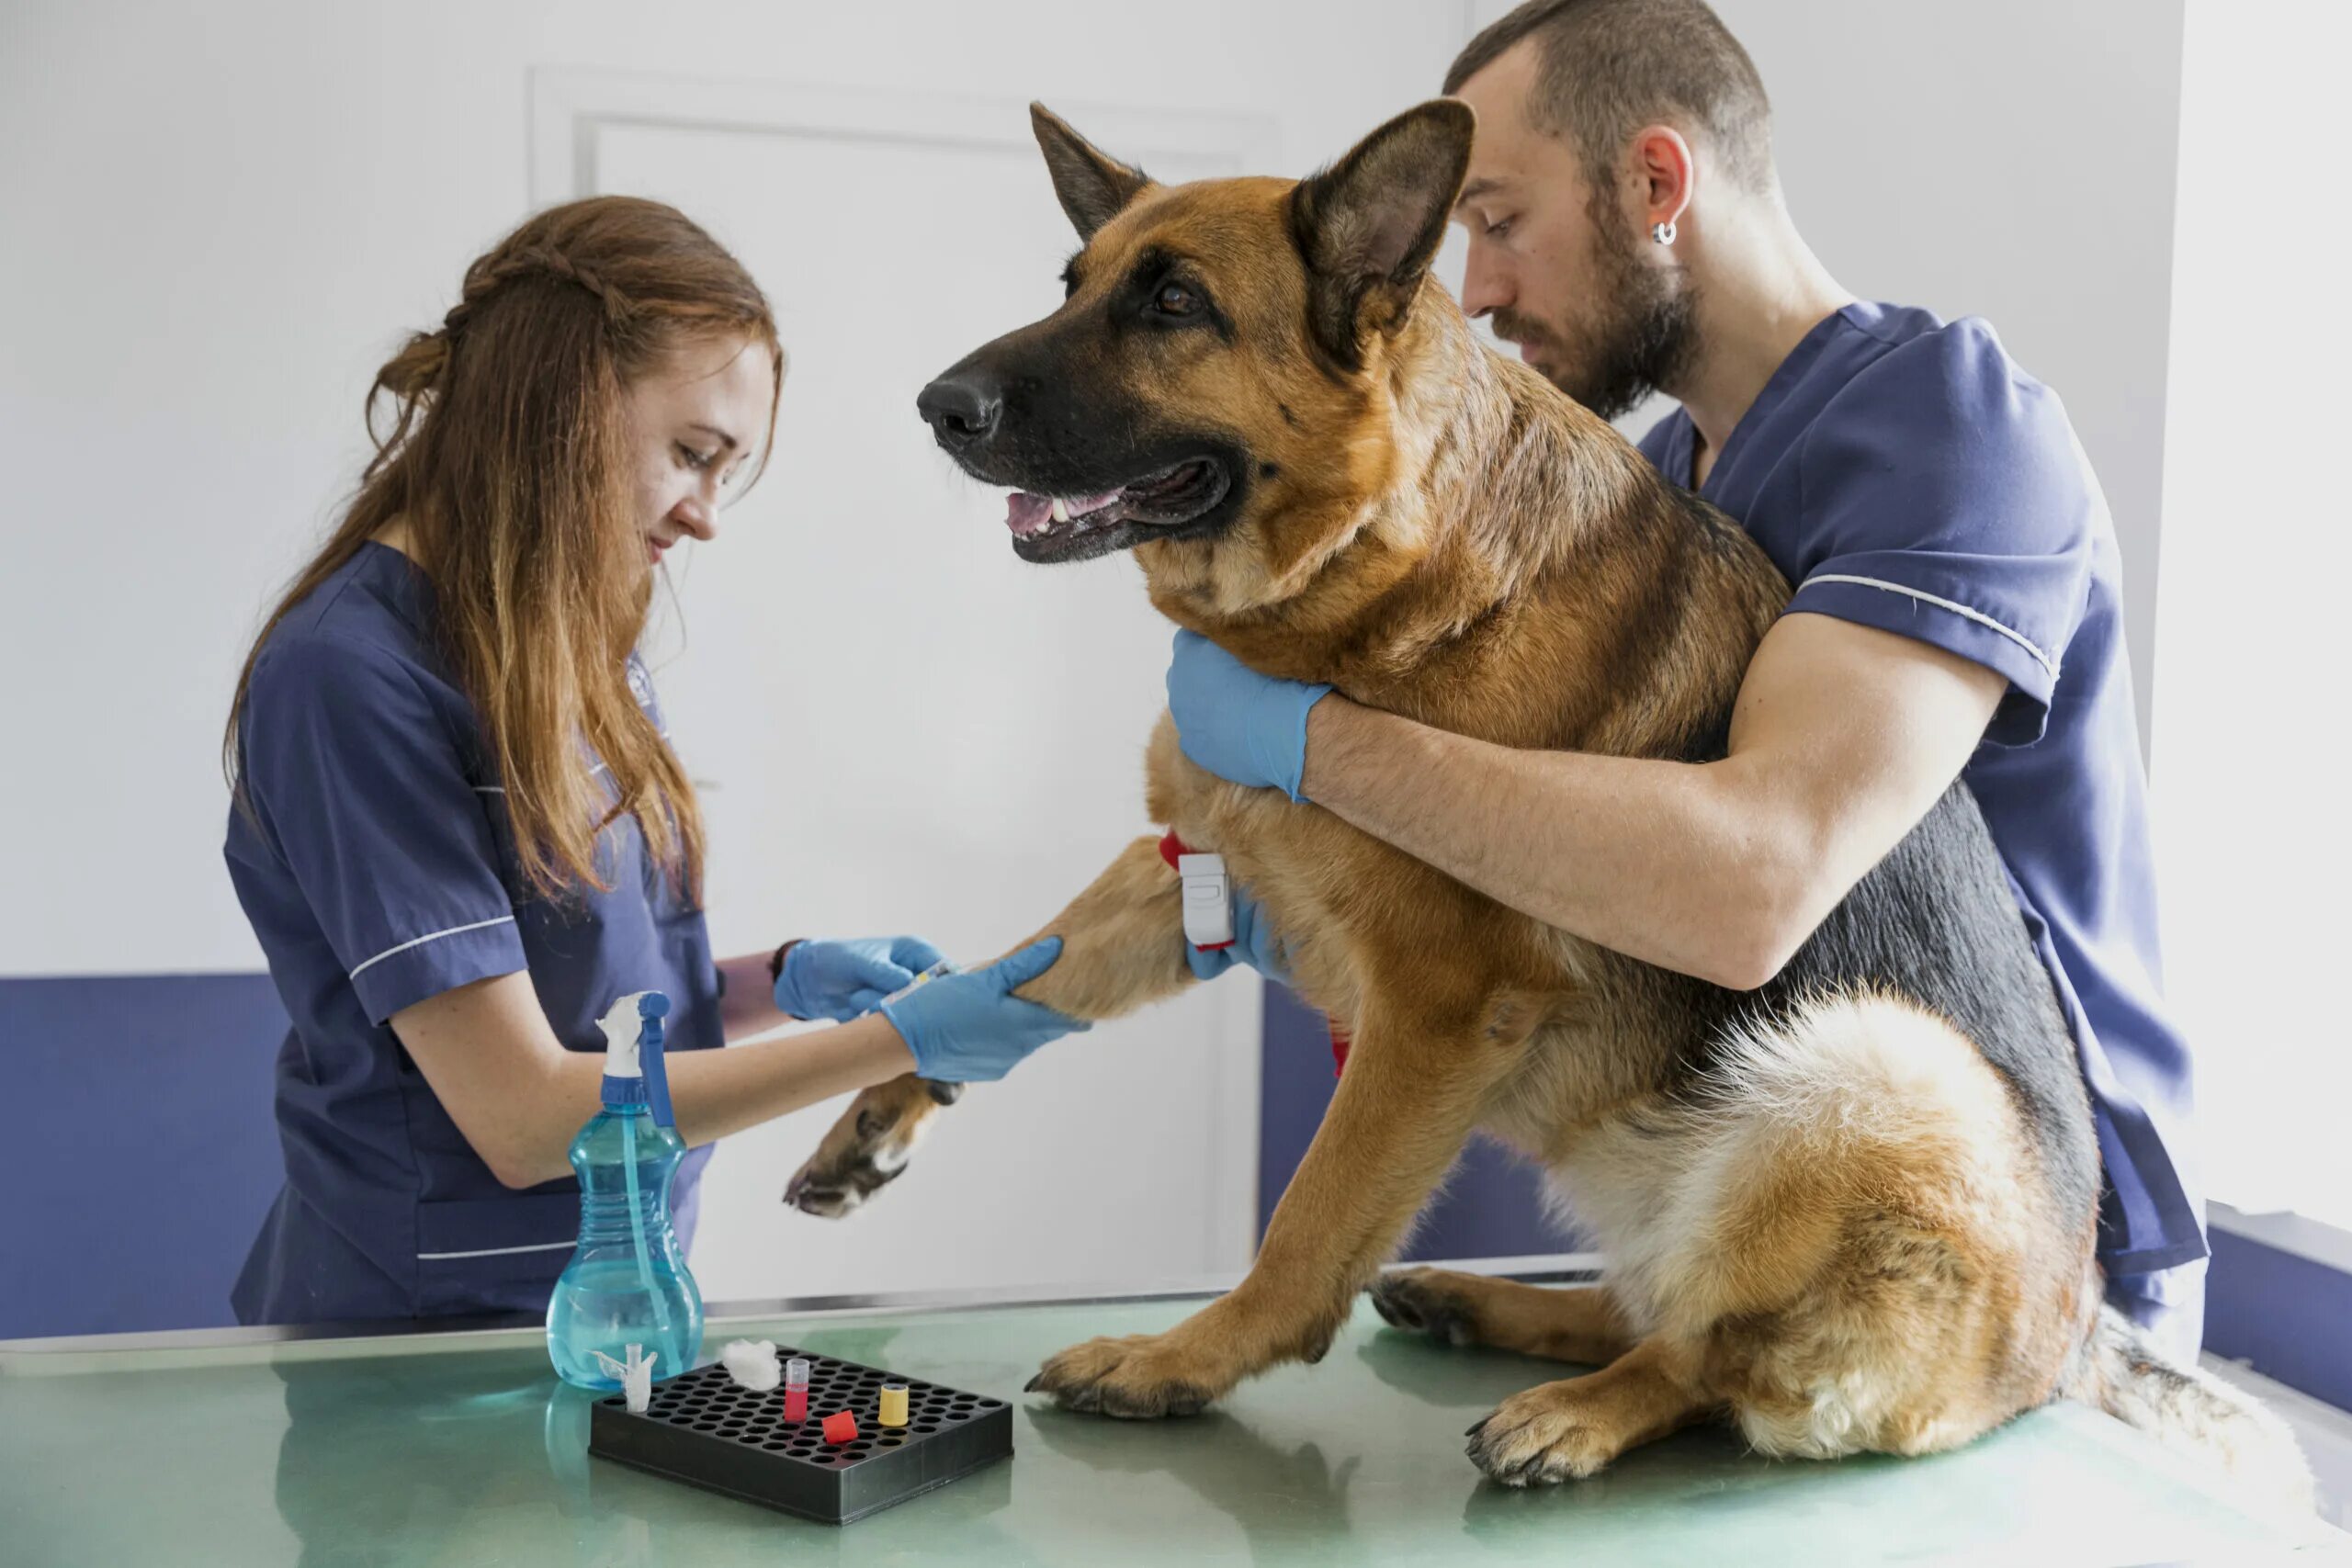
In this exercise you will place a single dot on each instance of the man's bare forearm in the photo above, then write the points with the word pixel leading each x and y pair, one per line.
pixel 1671 863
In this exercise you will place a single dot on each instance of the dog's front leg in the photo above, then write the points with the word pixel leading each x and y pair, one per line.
pixel 1123 946
pixel 1123 940
pixel 1417 1079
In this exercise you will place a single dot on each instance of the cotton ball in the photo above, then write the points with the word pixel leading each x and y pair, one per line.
pixel 752 1364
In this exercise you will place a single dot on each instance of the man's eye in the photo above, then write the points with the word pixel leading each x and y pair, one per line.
pixel 1497 230
pixel 1175 300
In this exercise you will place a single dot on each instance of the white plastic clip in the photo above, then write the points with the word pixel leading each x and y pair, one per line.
pixel 635 1375
pixel 1208 900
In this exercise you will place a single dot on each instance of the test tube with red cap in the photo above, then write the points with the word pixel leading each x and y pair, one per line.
pixel 795 1390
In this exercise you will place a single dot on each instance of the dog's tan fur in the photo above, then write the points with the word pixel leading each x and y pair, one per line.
pixel 1840 1237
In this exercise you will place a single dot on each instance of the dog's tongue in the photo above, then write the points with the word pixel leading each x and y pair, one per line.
pixel 1026 513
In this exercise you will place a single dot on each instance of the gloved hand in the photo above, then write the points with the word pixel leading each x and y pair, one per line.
pixel 970 1028
pixel 1254 943
pixel 1237 724
pixel 842 980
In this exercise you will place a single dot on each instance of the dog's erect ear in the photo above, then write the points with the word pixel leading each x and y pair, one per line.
pixel 1092 187
pixel 1370 224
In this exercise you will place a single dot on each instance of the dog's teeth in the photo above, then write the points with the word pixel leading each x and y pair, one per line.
pixel 1061 510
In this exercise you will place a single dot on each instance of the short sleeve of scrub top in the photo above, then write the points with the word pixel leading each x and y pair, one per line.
pixel 364 793
pixel 1958 511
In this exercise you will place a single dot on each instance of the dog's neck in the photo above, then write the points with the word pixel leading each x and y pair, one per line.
pixel 1493 478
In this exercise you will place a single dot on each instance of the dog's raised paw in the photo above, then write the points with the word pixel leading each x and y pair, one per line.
pixel 866 1150
pixel 832 1189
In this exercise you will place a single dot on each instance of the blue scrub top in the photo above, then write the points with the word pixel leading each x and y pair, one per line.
pixel 378 868
pixel 1907 475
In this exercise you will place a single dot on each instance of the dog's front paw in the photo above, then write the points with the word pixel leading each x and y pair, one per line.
pixel 868 1148
pixel 1541 1438
pixel 1139 1378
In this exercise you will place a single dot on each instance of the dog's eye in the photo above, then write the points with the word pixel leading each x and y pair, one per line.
pixel 1175 300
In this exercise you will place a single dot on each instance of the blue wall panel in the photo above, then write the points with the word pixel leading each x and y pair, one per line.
pixel 138 1114
pixel 2287 1315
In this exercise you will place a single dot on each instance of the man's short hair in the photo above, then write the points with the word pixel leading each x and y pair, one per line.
pixel 1606 68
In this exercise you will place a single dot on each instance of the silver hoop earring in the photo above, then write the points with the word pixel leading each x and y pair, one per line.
pixel 1663 233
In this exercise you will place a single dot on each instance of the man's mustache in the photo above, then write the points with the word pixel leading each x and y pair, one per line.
pixel 1513 327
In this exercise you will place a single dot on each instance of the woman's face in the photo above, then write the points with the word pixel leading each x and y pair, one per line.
pixel 694 420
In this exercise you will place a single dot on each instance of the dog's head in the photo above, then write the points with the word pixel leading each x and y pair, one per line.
pixel 1216 371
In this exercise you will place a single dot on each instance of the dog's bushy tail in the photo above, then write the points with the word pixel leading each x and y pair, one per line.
pixel 2189 1410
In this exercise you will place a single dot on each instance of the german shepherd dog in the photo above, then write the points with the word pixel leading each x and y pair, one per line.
pixel 1852 1209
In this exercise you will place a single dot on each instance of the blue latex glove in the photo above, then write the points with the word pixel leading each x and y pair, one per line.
pixel 970 1028
pixel 1254 943
pixel 842 980
pixel 1237 724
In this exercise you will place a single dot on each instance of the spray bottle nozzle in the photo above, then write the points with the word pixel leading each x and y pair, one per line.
pixel 636 1072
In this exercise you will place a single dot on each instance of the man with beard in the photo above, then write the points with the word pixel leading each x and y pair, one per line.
pixel 1951 554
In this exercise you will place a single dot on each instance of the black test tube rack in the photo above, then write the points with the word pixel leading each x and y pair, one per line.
pixel 708 1431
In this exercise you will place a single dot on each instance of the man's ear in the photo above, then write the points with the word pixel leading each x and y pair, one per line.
pixel 1370 224
pixel 1090 185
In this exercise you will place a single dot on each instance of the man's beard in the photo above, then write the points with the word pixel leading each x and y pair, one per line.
pixel 1639 337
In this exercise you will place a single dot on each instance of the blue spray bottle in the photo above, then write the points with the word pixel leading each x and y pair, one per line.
pixel 627 1285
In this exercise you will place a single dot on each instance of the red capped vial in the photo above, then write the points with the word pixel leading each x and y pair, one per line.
pixel 795 1390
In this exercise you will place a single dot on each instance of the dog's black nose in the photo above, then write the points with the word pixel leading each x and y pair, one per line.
pixel 962 406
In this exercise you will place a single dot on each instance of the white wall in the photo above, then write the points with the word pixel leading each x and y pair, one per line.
pixel 219 221
pixel 2251 756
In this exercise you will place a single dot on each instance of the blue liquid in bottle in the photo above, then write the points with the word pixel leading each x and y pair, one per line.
pixel 627 1282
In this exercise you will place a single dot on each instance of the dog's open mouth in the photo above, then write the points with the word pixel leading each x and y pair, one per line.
pixel 1167 498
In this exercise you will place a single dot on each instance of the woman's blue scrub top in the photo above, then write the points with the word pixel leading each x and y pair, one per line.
pixel 376 862
pixel 1907 475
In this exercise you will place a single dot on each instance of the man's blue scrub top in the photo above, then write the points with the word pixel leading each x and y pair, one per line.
pixel 378 869
pixel 1906 475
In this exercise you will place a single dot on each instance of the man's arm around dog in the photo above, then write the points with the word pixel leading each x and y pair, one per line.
pixel 1843 736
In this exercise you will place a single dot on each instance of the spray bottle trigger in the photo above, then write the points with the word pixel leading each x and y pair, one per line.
pixel 653 1060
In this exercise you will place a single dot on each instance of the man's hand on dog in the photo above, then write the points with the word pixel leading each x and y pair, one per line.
pixel 1240 724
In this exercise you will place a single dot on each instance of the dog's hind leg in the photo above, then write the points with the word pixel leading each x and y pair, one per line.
pixel 1570 1429
pixel 1843 1236
pixel 1122 947
pixel 1578 1324
pixel 1422 1068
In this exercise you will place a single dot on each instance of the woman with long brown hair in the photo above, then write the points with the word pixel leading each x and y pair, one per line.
pixel 459 830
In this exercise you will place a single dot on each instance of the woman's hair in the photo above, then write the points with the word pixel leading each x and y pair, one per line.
pixel 508 455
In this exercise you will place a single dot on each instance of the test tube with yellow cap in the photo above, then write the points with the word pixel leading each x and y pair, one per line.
pixel 894 1404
